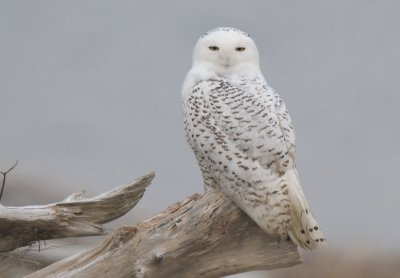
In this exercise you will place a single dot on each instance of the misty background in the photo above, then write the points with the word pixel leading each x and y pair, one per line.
pixel 90 99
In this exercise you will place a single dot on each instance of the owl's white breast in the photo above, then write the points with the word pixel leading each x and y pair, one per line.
pixel 204 72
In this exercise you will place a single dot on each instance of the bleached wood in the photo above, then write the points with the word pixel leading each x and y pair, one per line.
pixel 75 216
pixel 202 236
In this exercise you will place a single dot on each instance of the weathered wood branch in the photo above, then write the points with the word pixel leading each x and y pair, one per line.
pixel 75 216
pixel 202 236
pixel 3 183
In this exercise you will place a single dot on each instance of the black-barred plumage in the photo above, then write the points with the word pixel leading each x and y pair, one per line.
pixel 243 138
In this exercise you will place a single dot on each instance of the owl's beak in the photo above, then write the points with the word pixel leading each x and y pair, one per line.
pixel 226 61
pixel 225 58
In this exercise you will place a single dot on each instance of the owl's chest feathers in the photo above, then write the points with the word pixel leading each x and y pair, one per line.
pixel 233 96
pixel 220 108
pixel 236 122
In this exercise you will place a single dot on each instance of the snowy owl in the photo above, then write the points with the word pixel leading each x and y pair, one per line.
pixel 243 138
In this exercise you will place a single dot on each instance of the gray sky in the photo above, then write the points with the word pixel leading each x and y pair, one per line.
pixel 90 98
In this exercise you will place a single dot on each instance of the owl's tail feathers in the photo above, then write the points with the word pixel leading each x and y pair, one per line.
pixel 304 230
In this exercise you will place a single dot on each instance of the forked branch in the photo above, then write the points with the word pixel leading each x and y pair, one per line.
pixel 3 183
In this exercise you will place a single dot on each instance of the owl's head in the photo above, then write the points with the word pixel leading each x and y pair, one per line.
pixel 226 50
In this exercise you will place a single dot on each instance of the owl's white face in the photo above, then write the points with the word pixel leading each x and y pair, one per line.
pixel 226 50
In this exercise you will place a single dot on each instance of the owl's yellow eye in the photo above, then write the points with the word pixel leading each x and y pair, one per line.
pixel 240 49
pixel 213 48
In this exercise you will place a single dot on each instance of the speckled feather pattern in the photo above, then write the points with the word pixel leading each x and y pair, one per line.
pixel 235 134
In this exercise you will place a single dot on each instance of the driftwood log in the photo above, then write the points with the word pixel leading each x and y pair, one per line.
pixel 75 216
pixel 202 236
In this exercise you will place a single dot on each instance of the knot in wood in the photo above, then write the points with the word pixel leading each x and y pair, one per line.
pixel 158 258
